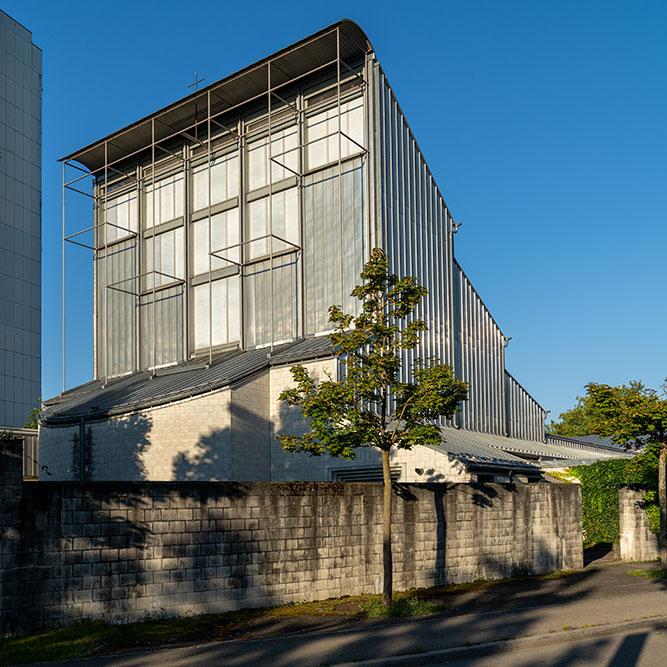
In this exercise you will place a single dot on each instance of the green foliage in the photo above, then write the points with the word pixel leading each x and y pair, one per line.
pixel 576 421
pixel 651 506
pixel 587 415
pixel 568 478
pixel 630 414
pixel 74 641
pixel 371 406
pixel 649 574
pixel 599 493
pixel 33 418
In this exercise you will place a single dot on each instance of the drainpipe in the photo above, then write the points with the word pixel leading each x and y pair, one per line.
pixel 82 450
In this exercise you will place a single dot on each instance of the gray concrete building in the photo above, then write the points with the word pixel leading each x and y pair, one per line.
pixel 20 221
pixel 223 226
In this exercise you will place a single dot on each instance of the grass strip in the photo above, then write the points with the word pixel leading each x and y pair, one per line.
pixel 649 574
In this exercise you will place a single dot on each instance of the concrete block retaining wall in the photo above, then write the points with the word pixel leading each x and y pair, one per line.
pixel 122 551
pixel 637 541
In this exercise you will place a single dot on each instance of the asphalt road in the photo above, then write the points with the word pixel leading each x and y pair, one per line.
pixel 634 649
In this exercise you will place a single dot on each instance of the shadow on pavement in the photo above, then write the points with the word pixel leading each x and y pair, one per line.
pixel 604 551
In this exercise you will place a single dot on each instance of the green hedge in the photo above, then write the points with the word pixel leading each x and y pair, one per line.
pixel 599 494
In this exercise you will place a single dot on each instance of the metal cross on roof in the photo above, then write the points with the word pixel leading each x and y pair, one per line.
pixel 196 81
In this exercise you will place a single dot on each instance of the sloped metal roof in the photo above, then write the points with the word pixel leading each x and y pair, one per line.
pixel 472 449
pixel 560 451
pixel 499 449
pixel 96 400
pixel 591 442
pixel 316 50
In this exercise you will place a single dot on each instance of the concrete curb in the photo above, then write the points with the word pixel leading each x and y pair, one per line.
pixel 490 648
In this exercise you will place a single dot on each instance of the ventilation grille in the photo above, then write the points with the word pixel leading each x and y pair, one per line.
pixel 364 474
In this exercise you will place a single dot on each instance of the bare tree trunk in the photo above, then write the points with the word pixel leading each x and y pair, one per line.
pixel 662 498
pixel 387 581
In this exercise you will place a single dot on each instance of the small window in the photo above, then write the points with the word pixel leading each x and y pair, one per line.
pixel 284 224
pixel 224 181
pixel 167 202
pixel 121 216
pixel 323 137
pixel 284 150
pixel 167 251
pixel 224 309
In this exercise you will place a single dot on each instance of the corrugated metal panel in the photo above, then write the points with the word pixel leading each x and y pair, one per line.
pixel 333 244
pixel 414 221
pixel 169 330
pixel 480 359
pixel 415 231
pixel 119 307
pixel 29 436
pixel 525 417
pixel 30 456
pixel 258 305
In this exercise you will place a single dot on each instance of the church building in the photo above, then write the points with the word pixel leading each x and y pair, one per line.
pixel 223 226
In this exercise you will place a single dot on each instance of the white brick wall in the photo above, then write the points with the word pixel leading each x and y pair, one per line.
pixel 188 440
pixel 251 430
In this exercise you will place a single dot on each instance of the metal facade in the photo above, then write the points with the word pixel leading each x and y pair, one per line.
pixel 415 225
pixel 237 224
pixel 525 416
pixel 416 231
pixel 480 359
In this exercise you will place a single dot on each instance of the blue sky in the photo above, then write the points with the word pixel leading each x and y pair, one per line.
pixel 543 123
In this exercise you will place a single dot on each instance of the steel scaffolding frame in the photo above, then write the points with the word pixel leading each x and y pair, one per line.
pixel 187 135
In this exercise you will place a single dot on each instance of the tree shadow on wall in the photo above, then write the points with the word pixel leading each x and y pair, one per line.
pixel 242 452
pixel 209 461
pixel 113 449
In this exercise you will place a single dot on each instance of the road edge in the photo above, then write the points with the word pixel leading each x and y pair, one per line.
pixel 508 645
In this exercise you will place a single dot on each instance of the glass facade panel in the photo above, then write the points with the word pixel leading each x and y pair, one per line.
pixel 224 181
pixel 284 149
pixel 224 234
pixel 121 216
pixel 284 223
pixel 273 307
pixel 164 255
pixel 168 200
pixel 225 312
pixel 323 137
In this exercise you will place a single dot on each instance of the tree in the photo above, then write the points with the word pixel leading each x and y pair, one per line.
pixel 574 422
pixel 33 418
pixel 635 415
pixel 370 406
pixel 579 420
